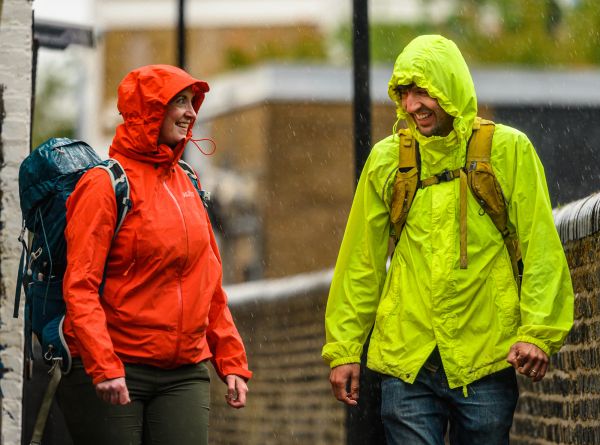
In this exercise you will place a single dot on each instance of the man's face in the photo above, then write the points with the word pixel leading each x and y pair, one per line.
pixel 429 117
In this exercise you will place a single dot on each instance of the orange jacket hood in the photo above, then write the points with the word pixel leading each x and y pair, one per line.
pixel 143 96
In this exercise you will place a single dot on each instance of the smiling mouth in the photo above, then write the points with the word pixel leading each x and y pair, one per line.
pixel 422 116
pixel 183 125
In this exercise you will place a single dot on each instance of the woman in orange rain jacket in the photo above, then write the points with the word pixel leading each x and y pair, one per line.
pixel 162 313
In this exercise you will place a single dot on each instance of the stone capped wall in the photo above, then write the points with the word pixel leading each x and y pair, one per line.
pixel 564 408
pixel 290 400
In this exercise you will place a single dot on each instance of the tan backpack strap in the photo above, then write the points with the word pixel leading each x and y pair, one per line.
pixel 463 219
pixel 480 144
pixel 445 176
pixel 485 187
pixel 406 182
pixel 408 150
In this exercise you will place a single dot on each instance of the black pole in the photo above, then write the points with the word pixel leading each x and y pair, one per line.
pixel 181 34
pixel 363 422
pixel 362 98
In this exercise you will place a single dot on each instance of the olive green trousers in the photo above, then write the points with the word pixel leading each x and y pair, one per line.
pixel 168 407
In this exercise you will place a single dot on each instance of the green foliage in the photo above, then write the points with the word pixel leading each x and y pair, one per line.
pixel 49 120
pixel 307 49
pixel 514 32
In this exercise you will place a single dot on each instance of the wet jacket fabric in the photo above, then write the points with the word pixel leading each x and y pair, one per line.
pixel 162 302
pixel 473 315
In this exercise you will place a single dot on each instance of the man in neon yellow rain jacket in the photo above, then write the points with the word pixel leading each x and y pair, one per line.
pixel 444 338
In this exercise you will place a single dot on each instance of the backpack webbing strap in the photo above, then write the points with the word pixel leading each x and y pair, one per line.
pixel 463 219
pixel 120 183
pixel 445 176
pixel 187 168
pixel 40 421
pixel 23 265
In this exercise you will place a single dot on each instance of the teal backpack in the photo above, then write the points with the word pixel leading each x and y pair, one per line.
pixel 46 179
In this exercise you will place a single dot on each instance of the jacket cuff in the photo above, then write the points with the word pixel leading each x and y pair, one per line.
pixel 108 375
pixel 534 341
pixel 243 373
pixel 344 361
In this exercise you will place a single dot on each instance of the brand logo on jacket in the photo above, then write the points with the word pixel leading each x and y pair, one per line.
pixel 188 194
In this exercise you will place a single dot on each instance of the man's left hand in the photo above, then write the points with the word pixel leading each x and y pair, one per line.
pixel 529 360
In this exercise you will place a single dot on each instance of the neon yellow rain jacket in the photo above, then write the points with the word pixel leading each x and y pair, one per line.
pixel 473 315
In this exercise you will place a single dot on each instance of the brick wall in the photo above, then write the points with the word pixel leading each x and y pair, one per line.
pixel 564 408
pixel 290 400
pixel 15 95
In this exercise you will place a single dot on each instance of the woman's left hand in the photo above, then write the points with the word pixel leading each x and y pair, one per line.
pixel 236 391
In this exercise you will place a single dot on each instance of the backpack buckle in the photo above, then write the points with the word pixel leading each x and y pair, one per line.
pixel 445 176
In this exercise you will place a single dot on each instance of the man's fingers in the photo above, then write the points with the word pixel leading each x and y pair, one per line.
pixel 529 360
pixel 344 383
pixel 513 356
pixel 355 385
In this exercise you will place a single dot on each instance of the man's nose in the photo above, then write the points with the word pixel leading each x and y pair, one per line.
pixel 411 102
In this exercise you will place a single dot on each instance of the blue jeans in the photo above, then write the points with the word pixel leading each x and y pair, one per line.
pixel 419 414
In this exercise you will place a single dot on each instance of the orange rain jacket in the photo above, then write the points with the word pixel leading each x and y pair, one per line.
pixel 162 302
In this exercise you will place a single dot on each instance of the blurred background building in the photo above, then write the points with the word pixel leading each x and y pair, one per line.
pixel 281 177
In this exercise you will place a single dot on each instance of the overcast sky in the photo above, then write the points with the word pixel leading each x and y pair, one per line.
pixel 71 11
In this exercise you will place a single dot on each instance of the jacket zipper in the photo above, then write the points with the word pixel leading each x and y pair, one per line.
pixel 179 284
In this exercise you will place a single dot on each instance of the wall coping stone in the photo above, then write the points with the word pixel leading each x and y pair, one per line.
pixel 578 219
pixel 279 288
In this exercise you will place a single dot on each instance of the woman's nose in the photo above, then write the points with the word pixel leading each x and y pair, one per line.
pixel 189 111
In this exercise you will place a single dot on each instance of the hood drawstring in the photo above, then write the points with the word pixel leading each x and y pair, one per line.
pixel 465 391
pixel 196 142
pixel 395 127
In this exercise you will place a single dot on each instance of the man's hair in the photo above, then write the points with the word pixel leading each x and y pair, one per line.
pixel 402 88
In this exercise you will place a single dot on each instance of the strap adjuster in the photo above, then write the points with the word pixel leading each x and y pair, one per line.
pixel 445 176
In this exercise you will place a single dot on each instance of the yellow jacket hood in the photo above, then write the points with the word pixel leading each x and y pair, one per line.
pixel 436 64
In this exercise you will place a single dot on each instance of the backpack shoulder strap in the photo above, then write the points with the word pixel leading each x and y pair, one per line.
pixel 406 182
pixel 407 156
pixel 187 168
pixel 120 183
pixel 485 186
pixel 480 145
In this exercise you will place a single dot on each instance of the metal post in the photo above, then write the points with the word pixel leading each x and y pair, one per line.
pixel 181 34
pixel 363 422
pixel 362 99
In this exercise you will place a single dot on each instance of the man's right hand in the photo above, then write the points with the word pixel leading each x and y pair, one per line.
pixel 113 391
pixel 345 377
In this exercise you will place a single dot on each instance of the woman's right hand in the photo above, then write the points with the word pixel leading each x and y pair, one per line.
pixel 113 391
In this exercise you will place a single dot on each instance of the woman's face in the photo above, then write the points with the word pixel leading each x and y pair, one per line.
pixel 179 116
